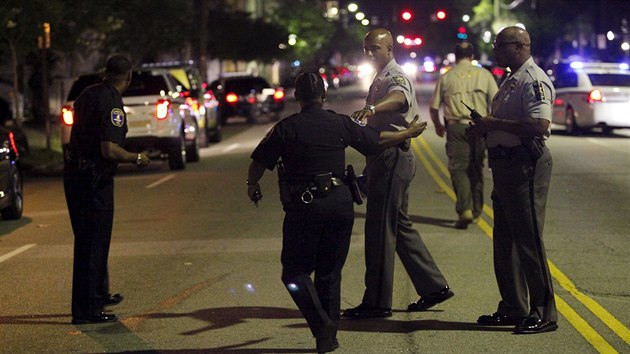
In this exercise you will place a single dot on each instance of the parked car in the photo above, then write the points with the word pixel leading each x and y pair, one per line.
pixel 203 101
pixel 591 95
pixel 160 119
pixel 247 95
pixel 11 195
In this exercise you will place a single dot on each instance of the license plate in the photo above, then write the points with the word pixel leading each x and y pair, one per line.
pixel 139 123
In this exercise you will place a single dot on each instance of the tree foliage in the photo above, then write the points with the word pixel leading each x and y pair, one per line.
pixel 235 35
pixel 307 22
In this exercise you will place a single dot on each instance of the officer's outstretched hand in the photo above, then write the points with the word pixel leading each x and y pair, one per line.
pixel 143 160
pixel 254 193
pixel 416 128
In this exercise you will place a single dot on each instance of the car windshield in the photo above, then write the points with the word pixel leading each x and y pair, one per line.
pixel 146 84
pixel 245 85
pixel 609 80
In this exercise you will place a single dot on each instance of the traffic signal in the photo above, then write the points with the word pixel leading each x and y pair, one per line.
pixel 461 33
pixel 406 15
pixel 440 15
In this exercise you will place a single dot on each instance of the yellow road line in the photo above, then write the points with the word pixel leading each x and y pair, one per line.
pixel 580 324
pixel 597 341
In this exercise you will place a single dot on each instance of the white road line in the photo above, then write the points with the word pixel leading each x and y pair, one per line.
pixel 231 147
pixel 16 252
pixel 160 181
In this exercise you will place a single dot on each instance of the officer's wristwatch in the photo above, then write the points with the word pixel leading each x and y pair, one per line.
pixel 371 108
pixel 138 160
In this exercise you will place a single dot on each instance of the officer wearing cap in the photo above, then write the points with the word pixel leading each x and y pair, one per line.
pixel 476 87
pixel 391 103
pixel 308 149
pixel 521 166
pixel 89 168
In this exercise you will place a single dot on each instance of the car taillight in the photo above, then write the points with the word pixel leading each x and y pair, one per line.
pixel 67 115
pixel 595 96
pixel 12 141
pixel 251 99
pixel 162 108
pixel 278 95
pixel 231 97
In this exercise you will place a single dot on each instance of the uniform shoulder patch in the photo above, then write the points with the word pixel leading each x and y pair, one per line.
pixel 117 117
pixel 539 90
pixel 400 80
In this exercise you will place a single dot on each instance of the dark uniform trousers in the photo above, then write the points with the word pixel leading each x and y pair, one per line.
pixel 388 230
pixel 90 199
pixel 465 164
pixel 519 200
pixel 316 238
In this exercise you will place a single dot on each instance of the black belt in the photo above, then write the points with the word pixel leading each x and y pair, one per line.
pixel 501 152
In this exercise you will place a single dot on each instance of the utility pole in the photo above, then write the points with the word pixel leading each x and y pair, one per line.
pixel 44 45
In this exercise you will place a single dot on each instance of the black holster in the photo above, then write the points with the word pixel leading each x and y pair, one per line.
pixel 535 147
pixel 350 179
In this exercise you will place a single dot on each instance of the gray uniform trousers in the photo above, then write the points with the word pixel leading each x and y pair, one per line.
pixel 520 262
pixel 388 230
pixel 465 164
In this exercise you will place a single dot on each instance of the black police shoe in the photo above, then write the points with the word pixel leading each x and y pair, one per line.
pixel 428 301
pixel 533 325
pixel 497 319
pixel 327 339
pixel 366 311
pixel 100 318
pixel 112 300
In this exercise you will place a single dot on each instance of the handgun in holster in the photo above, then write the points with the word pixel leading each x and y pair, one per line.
pixel 350 179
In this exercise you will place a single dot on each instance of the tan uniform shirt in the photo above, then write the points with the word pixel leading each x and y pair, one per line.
pixel 528 93
pixel 392 78
pixel 465 82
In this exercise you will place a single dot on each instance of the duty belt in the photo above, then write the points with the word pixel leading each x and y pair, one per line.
pixel 501 152
pixel 307 195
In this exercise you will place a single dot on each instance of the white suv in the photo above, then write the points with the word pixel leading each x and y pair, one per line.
pixel 160 121
pixel 591 95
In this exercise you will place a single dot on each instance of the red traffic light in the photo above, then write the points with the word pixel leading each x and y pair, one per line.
pixel 406 15
pixel 440 14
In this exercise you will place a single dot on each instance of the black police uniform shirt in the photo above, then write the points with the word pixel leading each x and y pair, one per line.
pixel 314 141
pixel 99 116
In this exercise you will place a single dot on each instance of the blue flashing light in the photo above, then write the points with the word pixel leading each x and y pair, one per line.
pixel 296 63
pixel 624 66
pixel 577 65
pixel 462 36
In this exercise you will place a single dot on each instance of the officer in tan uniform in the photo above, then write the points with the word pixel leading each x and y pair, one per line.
pixel 476 87
pixel 521 169
pixel 390 105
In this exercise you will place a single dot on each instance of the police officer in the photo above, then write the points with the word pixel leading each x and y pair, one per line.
pixel 391 102
pixel 319 215
pixel 476 87
pixel 90 164
pixel 521 170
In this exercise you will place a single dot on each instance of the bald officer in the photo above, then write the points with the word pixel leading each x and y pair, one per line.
pixel 476 87
pixel 521 170
pixel 391 104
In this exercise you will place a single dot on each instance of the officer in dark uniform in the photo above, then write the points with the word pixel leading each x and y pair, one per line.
pixel 90 165
pixel 521 167
pixel 309 150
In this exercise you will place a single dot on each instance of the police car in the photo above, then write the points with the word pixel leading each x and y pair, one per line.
pixel 161 121
pixel 591 95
